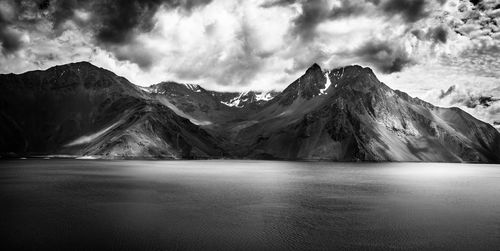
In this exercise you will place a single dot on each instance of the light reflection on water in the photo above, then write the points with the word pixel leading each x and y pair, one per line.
pixel 249 205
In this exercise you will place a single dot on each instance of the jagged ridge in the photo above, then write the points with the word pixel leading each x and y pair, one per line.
pixel 82 109
pixel 344 114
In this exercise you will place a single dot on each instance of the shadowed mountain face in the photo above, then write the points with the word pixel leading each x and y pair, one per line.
pixel 345 114
pixel 84 110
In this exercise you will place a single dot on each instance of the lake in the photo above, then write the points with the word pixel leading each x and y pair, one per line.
pixel 241 205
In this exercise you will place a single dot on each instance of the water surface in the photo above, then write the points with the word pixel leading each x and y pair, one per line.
pixel 159 205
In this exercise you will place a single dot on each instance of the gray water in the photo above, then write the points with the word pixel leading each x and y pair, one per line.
pixel 165 205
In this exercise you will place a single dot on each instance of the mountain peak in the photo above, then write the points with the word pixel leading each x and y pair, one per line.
pixel 313 68
pixel 316 82
pixel 353 76
pixel 352 70
pixel 77 65
pixel 82 63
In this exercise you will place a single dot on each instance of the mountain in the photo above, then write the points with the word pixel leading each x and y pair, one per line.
pixel 344 114
pixel 204 107
pixel 84 110
pixel 213 111
pixel 347 114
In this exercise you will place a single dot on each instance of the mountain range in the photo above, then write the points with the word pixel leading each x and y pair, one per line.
pixel 342 114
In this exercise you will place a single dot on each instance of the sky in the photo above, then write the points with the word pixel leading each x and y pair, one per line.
pixel 442 51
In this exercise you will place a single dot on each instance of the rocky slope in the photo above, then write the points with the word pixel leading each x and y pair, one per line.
pixel 213 111
pixel 84 110
pixel 345 114
pixel 206 107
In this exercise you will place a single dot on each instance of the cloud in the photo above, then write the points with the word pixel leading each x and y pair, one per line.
pixel 116 21
pixel 447 92
pixel 348 8
pixel 306 58
pixel 478 20
pixel 480 98
pixel 410 10
pixel 468 97
pixel 113 24
pixel 313 13
pixel 135 52
pixel 387 57
pixel 438 34
pixel 475 2
pixel 277 3
pixel 11 40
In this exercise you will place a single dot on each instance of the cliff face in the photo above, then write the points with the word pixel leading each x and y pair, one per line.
pixel 345 114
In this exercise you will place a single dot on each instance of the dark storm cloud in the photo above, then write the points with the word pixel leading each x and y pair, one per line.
pixel 136 53
pixel 117 21
pixel 10 40
pixel 315 12
pixel 384 56
pixel 410 10
pixel 277 3
pixel 437 34
pixel 475 2
pixel 351 8
pixel 44 4
pixel 113 23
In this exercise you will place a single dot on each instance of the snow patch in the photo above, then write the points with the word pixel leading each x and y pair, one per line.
pixel 146 89
pixel 231 103
pixel 327 84
pixel 236 102
pixel 193 87
pixel 263 96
